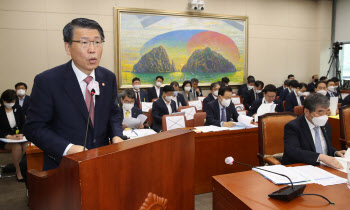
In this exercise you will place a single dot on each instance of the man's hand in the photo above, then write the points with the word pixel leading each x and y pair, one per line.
pixel 75 149
pixel 340 153
pixel 228 124
pixel 330 161
pixel 140 126
pixel 198 91
pixel 117 139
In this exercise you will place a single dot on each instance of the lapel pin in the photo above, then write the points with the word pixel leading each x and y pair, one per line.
pixel 103 84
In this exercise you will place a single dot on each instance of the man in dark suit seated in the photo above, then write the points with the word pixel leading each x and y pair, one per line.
pixel 214 92
pixel 295 98
pixel 285 92
pixel 245 87
pixel 291 77
pixel 337 88
pixel 156 91
pixel 282 88
pixel 308 139
pixel 253 94
pixel 311 87
pixel 178 97
pixel 225 80
pixel 332 91
pixel 128 109
pixel 321 87
pixel 222 112
pixel 141 96
pixel 197 91
pixel 23 99
pixel 163 106
pixel 269 92
pixel 61 99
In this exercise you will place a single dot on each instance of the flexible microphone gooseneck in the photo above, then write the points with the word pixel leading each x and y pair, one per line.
pixel 286 193
pixel 87 124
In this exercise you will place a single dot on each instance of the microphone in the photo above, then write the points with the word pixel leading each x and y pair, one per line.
pixel 87 124
pixel 286 193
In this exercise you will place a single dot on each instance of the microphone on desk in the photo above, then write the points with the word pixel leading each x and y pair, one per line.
pixel 286 193
pixel 87 124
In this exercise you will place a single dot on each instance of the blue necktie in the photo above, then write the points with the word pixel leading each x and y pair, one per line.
pixel 318 141
pixel 257 96
pixel 223 115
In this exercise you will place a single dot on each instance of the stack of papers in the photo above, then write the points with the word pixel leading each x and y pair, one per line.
pixel 213 128
pixel 131 122
pixel 342 160
pixel 9 141
pixel 136 133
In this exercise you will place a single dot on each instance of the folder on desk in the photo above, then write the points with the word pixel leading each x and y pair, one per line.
pixel 197 104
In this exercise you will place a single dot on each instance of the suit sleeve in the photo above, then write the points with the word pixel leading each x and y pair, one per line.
pixel 150 95
pixel 156 113
pixel 292 147
pixel 254 108
pixel 211 117
pixel 40 113
pixel 235 114
pixel 115 120
pixel 328 131
pixel 205 103
pixel 346 101
pixel 21 120
pixel 289 104
pixel 279 107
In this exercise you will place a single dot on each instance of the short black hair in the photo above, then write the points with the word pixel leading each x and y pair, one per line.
pixel 258 83
pixel 224 89
pixel 251 80
pixel 294 83
pixel 194 80
pixel 8 96
pixel 270 88
pixel 225 79
pixel 20 84
pixel 301 85
pixel 312 101
pixel 286 82
pixel 136 79
pixel 185 83
pixel 212 85
pixel 174 83
pixel 335 79
pixel 323 78
pixel 313 76
pixel 128 92
pixel 319 82
pixel 168 88
pixel 330 80
pixel 250 77
pixel 68 30
pixel 160 77
pixel 291 75
pixel 221 83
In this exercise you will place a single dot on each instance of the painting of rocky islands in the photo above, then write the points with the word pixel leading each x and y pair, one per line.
pixel 179 47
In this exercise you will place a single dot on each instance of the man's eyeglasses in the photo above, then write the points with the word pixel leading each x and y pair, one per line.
pixel 86 43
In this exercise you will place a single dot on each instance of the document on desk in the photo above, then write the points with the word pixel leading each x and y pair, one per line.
pixel 210 128
pixel 146 106
pixel 245 120
pixel 136 133
pixel 142 118
pixel 174 122
pixel 10 141
pixel 189 113
pixel 131 122
pixel 342 160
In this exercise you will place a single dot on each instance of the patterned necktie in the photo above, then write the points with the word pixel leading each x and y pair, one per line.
pixel 138 99
pixel 88 99
pixel 223 115
pixel 127 114
pixel 318 144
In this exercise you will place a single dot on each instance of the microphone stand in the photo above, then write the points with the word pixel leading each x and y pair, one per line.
pixel 88 121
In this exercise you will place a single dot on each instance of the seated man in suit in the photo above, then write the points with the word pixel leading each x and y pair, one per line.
pixel 214 92
pixel 321 88
pixel 282 88
pixel 245 87
pixel 163 106
pixel 332 91
pixel 269 92
pixel 197 91
pixel 324 79
pixel 222 112
pixel 337 88
pixel 346 101
pixel 156 91
pixel 128 109
pixel 23 99
pixel 178 97
pixel 295 98
pixel 303 88
pixel 311 87
pixel 308 139
pixel 253 94
pixel 285 92
pixel 141 96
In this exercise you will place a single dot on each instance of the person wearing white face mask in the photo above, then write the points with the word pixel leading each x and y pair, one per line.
pixel 178 97
pixel 187 93
pixel 129 110
pixel 11 124
pixel 141 96
pixel 337 88
pixel 321 88
pixel 253 94
pixel 331 90
pixel 23 99
pixel 156 91
pixel 214 92
pixel 221 111
pixel 245 87
pixel 308 138
pixel 293 99
pixel 163 106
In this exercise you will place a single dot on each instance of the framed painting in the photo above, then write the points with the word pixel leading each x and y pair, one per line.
pixel 179 47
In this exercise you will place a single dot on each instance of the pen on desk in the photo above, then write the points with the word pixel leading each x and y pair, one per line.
pixel 133 130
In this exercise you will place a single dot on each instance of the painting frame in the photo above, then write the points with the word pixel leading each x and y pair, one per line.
pixel 135 11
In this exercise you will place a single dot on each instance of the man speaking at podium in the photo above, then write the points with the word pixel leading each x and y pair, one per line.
pixel 61 98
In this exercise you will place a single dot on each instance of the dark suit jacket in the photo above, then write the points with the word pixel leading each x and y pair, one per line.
pixel 291 101
pixel 180 100
pixel 196 94
pixel 5 128
pixel 207 99
pixel 25 105
pixel 250 98
pixel 299 146
pixel 213 113
pixel 283 94
pixel 159 109
pixel 143 97
pixel 280 90
pixel 257 103
pixel 57 115
pixel 346 101
pixel 152 93
pixel 134 112
pixel 311 87
pixel 335 95
pixel 242 89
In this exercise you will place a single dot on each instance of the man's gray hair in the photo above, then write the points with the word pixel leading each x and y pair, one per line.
pixel 312 101
pixel 128 92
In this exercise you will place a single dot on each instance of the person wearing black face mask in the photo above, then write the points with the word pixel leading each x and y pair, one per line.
pixel 311 87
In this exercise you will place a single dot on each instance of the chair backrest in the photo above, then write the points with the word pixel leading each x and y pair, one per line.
pixel 189 123
pixel 239 107
pixel 175 123
pixel 236 99
pixel 284 105
pixel 344 117
pixel 197 103
pixel 271 132
pixel 339 105
pixel 150 117
pixel 199 119
pixel 5 151
pixel 153 100
pixel 299 110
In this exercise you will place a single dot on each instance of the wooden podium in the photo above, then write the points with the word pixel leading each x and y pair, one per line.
pixel 152 172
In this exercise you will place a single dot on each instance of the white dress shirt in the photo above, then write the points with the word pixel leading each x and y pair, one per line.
pixel 21 100
pixel 168 106
pixel 11 119
pixel 323 140
pixel 298 98
pixel 157 90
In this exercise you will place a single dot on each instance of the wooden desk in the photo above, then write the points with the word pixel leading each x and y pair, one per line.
pixel 335 126
pixel 249 190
